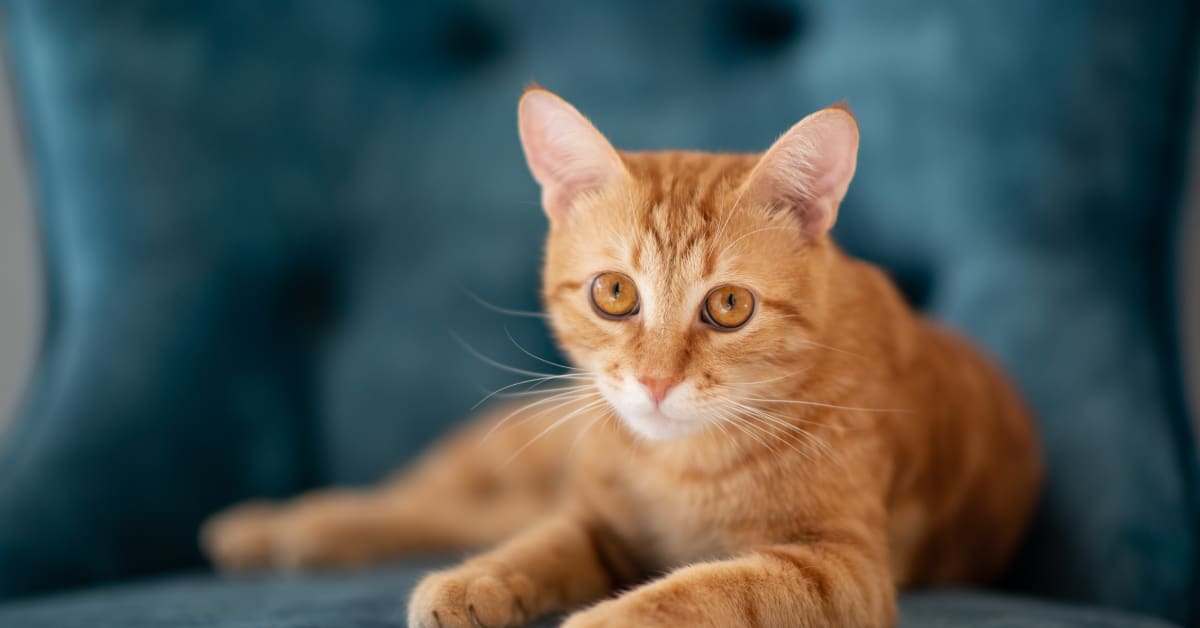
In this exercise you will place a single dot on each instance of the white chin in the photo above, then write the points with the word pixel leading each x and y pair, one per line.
pixel 656 426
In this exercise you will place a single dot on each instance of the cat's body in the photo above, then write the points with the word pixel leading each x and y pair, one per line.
pixel 794 468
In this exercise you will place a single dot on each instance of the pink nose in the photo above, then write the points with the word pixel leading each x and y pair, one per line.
pixel 658 386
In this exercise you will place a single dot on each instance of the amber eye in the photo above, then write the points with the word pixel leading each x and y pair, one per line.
pixel 614 295
pixel 728 307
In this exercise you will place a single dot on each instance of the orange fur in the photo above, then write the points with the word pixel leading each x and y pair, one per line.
pixel 838 446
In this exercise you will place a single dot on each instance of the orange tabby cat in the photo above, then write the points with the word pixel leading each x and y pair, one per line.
pixel 758 430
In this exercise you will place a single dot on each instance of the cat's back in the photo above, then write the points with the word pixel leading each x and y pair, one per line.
pixel 968 465
pixel 961 459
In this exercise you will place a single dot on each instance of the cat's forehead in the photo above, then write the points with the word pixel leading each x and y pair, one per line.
pixel 690 184
pixel 683 206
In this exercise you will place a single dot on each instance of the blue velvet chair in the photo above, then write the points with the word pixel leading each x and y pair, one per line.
pixel 237 200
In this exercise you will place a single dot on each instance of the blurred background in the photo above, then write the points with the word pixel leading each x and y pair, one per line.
pixel 1190 277
pixel 237 240
pixel 19 297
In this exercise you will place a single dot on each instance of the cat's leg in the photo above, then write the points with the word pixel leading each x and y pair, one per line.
pixel 817 583
pixel 338 528
pixel 467 493
pixel 555 565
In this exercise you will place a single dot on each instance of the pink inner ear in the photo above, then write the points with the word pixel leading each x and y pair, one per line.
pixel 557 200
pixel 566 154
pixel 809 168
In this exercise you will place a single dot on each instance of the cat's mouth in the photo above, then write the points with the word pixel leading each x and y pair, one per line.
pixel 667 420
pixel 657 425
pixel 655 422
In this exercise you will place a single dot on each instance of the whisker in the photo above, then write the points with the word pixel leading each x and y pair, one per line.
pixel 824 346
pixel 536 357
pixel 806 453
pixel 578 437
pixel 804 447
pixel 717 422
pixel 818 404
pixel 551 427
pixel 749 408
pixel 570 397
pixel 764 381
pixel 500 365
pixel 732 419
pixel 563 401
pixel 754 431
pixel 535 381
pixel 811 438
pixel 541 391
pixel 502 310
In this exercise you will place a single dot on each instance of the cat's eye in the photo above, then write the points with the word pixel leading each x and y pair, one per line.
pixel 614 295
pixel 728 307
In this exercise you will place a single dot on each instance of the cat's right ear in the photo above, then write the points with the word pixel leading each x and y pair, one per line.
pixel 809 168
pixel 567 155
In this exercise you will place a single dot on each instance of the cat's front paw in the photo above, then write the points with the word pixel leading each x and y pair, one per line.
pixel 316 532
pixel 471 596
pixel 240 538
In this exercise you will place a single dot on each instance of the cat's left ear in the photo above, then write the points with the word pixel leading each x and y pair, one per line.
pixel 809 169
pixel 567 155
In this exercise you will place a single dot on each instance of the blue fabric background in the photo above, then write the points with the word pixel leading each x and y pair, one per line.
pixel 371 600
pixel 260 220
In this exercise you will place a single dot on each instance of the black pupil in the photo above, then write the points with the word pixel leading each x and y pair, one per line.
pixel 616 290
pixel 730 301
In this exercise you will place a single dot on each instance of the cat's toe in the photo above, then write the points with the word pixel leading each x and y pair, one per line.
pixel 439 601
pixel 239 539
pixel 468 598
pixel 495 602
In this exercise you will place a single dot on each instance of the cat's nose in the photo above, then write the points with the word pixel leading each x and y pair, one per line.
pixel 658 386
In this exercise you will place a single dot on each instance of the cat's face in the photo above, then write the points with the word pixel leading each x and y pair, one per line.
pixel 688 285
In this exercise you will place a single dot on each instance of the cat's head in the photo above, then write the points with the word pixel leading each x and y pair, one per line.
pixel 691 286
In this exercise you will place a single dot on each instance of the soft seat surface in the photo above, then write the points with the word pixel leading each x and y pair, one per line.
pixel 376 599
pixel 239 201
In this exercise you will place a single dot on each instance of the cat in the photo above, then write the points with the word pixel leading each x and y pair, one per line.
pixel 757 430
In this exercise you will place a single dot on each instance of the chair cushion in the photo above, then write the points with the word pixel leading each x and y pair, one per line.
pixel 377 599
pixel 239 202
